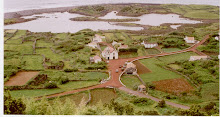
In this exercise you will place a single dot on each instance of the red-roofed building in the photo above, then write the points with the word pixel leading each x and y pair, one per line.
pixel 189 39
pixel 95 59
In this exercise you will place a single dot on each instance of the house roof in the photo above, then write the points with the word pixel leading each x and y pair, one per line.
pixel 92 43
pixel 198 57
pixel 123 46
pixel 141 86
pixel 149 42
pixel 131 65
pixel 96 57
pixel 190 38
pixel 108 49
pixel 130 70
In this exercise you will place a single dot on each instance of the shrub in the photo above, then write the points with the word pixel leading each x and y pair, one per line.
pixel 63 80
pixel 140 101
pixel 71 70
pixel 50 85
pixel 162 103
pixel 13 106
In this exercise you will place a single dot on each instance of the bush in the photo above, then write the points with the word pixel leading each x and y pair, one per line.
pixel 63 80
pixel 13 106
pixel 71 70
pixel 162 103
pixel 140 101
pixel 151 112
pixel 50 85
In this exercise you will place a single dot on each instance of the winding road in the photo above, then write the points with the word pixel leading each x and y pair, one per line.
pixel 115 77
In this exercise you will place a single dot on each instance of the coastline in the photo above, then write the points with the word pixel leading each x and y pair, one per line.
pixel 19 14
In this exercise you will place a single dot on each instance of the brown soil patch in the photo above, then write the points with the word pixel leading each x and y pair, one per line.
pixel 141 69
pixel 174 86
pixel 21 78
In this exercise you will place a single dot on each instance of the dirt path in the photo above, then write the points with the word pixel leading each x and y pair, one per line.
pixel 21 78
pixel 132 92
pixel 115 77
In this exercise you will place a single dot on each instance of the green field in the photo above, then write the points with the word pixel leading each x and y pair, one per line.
pixel 76 98
pixel 130 81
pixel 157 73
pixel 152 51
pixel 33 62
pixel 177 57
pixel 34 92
pixel 103 95
pixel 170 49
pixel 77 84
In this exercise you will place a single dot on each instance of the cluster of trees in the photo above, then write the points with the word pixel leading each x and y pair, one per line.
pixel 132 49
pixel 212 46
pixel 95 66
pixel 76 42
pixel 210 66
pixel 10 70
pixel 173 42
pixel 133 10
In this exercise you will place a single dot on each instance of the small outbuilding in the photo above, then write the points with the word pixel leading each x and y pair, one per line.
pixel 141 88
pixel 131 69
pixel 98 38
pixel 149 45
pixel 95 59
pixel 189 39
pixel 194 58
pixel 93 45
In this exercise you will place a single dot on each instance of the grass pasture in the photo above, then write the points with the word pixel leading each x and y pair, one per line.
pixel 157 73
pixel 177 57
pixel 127 54
pixel 34 92
pixel 152 51
pixel 77 84
pixel 130 81
pixel 104 95
pixel 170 49
pixel 141 69
pixel 76 98
pixel 33 62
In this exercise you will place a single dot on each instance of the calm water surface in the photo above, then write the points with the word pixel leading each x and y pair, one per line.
pixel 59 22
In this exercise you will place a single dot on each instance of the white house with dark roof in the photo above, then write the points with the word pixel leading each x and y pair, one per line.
pixel 149 45
pixel 98 38
pixel 189 39
pixel 116 43
pixel 95 59
pixel 123 47
pixel 194 58
pixel 93 45
pixel 110 53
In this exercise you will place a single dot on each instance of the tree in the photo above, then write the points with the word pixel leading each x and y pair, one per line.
pixel 194 110
pixel 13 106
pixel 162 103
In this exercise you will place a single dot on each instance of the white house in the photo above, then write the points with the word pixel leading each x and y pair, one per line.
pixel 98 38
pixel 95 59
pixel 123 47
pixel 189 39
pixel 93 45
pixel 216 38
pixel 149 45
pixel 115 43
pixel 110 53
pixel 194 58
